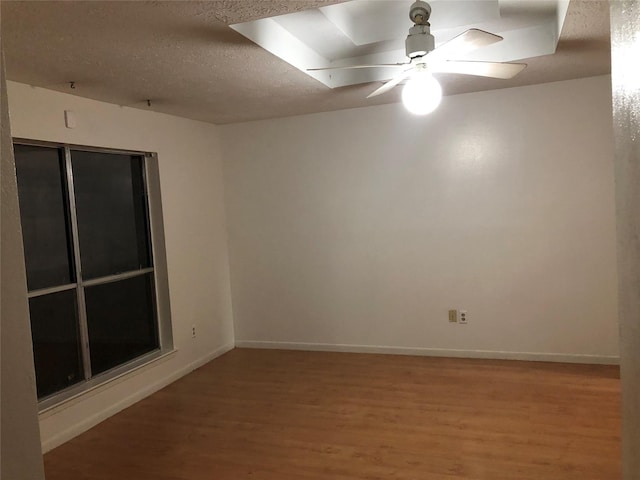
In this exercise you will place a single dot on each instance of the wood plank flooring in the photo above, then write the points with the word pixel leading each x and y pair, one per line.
pixel 267 415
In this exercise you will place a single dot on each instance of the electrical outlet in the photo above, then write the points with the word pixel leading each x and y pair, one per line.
pixel 193 331
pixel 453 316
pixel 463 319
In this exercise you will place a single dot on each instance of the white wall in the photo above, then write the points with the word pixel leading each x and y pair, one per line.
pixel 360 228
pixel 625 24
pixel 20 452
pixel 194 221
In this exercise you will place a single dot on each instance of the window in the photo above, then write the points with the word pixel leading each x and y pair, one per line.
pixel 94 256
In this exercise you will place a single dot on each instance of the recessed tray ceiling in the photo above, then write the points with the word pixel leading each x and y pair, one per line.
pixel 365 32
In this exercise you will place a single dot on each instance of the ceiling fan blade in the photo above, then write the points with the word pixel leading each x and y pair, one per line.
pixel 349 67
pixel 481 69
pixel 464 43
pixel 391 83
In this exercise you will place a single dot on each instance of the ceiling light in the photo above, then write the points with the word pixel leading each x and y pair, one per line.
pixel 422 93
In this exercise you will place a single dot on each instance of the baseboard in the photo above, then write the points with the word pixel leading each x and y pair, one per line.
pixel 434 352
pixel 89 422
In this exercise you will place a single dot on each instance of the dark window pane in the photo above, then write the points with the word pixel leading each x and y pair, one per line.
pixel 56 345
pixel 111 209
pixel 43 210
pixel 121 321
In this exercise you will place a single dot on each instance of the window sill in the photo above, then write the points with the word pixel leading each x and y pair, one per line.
pixel 83 391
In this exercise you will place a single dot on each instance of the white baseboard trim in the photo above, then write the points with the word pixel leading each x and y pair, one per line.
pixel 433 352
pixel 89 422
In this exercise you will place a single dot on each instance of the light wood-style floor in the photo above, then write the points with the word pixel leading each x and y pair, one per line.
pixel 280 415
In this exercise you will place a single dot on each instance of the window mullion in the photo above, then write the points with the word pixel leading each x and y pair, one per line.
pixel 82 309
pixel 116 277
pixel 50 290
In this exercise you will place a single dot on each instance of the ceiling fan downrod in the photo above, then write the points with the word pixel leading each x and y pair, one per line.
pixel 419 41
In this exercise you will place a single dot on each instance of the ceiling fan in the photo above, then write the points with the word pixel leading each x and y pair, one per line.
pixel 422 93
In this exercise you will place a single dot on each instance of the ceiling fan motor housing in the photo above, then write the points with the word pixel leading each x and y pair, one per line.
pixel 419 41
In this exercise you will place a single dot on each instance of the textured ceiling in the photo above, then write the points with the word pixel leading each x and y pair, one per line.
pixel 183 56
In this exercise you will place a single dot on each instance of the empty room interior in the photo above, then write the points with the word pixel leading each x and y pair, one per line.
pixel 320 239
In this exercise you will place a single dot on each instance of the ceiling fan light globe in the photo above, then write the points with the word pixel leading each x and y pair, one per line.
pixel 422 94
